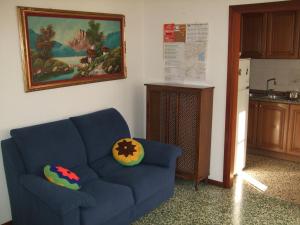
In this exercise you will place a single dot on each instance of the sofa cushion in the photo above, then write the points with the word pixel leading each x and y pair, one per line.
pixel 128 152
pixel 61 176
pixel 144 180
pixel 100 130
pixel 111 200
pixel 50 143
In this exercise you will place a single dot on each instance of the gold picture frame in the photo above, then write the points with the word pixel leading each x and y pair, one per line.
pixel 62 48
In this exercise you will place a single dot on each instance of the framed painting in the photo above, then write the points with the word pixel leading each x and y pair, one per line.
pixel 62 48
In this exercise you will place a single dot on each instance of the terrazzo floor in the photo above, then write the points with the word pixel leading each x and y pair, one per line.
pixel 280 176
pixel 244 204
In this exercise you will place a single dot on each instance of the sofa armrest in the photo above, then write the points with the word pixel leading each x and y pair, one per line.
pixel 158 153
pixel 59 199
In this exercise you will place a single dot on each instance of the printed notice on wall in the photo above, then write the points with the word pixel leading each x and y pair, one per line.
pixel 185 48
pixel 174 61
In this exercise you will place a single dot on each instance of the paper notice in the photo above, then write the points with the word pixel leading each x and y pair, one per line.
pixel 196 32
pixel 174 61
pixel 169 32
pixel 174 32
pixel 185 48
pixel 195 60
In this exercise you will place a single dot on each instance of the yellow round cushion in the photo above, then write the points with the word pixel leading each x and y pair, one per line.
pixel 128 152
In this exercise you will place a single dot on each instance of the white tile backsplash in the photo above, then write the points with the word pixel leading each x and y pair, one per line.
pixel 286 72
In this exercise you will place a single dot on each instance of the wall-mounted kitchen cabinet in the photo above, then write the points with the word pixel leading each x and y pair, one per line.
pixel 273 35
pixel 283 35
pixel 253 38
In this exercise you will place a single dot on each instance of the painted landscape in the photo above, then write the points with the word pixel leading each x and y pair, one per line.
pixel 69 48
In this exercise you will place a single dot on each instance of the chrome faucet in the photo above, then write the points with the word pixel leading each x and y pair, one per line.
pixel 274 83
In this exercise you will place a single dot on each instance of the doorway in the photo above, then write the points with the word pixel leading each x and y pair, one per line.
pixel 235 13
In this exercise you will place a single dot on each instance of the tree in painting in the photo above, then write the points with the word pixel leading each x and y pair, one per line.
pixel 94 36
pixel 43 64
pixel 100 59
pixel 44 42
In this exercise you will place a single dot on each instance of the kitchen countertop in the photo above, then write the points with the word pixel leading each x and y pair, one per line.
pixel 262 99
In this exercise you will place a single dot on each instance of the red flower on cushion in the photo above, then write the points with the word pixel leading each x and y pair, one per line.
pixel 67 173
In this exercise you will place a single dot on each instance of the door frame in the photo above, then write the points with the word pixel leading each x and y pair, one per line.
pixel 234 39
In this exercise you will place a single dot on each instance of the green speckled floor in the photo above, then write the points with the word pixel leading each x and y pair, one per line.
pixel 211 205
pixel 282 177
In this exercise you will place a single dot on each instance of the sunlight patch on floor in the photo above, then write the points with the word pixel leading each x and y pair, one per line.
pixel 257 184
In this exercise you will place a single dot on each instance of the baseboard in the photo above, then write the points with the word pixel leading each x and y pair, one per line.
pixel 8 223
pixel 275 155
pixel 216 183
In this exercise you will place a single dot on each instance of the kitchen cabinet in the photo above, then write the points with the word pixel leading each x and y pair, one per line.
pixel 272 126
pixel 270 35
pixel 252 123
pixel 274 129
pixel 253 35
pixel 283 34
pixel 293 146
pixel 182 115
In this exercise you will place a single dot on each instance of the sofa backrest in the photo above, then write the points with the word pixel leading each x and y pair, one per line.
pixel 50 143
pixel 100 130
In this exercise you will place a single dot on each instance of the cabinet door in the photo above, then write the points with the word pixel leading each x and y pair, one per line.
pixel 283 34
pixel 272 126
pixel 156 114
pixel 253 35
pixel 252 123
pixel 294 131
pixel 188 123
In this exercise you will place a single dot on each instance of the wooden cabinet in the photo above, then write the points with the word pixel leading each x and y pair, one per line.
pixel 293 146
pixel 283 35
pixel 274 129
pixel 252 123
pixel 272 126
pixel 270 35
pixel 253 35
pixel 182 115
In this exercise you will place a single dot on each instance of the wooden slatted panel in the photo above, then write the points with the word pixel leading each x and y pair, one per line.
pixel 163 116
pixel 187 132
pixel 172 120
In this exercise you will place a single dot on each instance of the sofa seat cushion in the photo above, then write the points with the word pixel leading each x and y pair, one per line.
pixel 144 180
pixel 111 200
pixel 57 143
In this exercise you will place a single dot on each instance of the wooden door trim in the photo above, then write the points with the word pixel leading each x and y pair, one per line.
pixel 232 75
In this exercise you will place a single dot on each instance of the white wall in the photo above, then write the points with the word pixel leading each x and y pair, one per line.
pixel 286 72
pixel 144 19
pixel 23 109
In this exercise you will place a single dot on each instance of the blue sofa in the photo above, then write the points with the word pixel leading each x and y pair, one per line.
pixel 110 193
